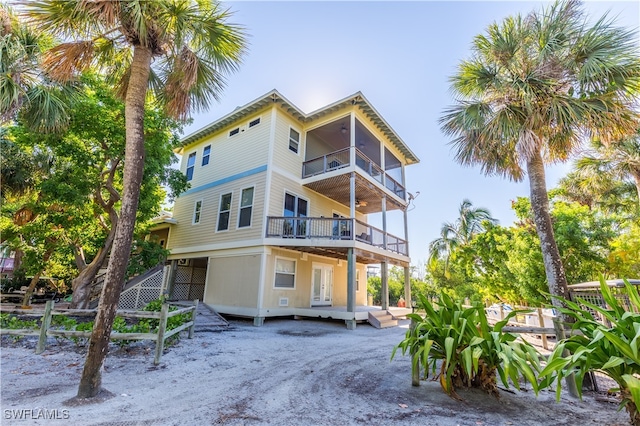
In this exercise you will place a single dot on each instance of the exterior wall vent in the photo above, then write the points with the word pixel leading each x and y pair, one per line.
pixel 284 301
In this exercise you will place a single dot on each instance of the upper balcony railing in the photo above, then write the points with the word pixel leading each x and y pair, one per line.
pixel 341 159
pixel 333 229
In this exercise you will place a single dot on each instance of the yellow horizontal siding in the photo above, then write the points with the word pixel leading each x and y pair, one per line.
pixel 300 297
pixel 186 234
pixel 247 150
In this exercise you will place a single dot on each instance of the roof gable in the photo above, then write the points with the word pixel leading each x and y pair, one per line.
pixel 274 97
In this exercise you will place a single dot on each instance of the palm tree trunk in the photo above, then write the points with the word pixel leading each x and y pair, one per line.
pixel 556 278
pixel 91 380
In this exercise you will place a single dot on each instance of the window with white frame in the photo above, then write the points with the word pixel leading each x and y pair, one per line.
pixel 254 122
pixel 357 279
pixel 191 163
pixel 246 207
pixel 294 140
pixel 285 273
pixel 206 153
pixel 224 212
pixel 197 211
pixel 234 131
pixel 295 206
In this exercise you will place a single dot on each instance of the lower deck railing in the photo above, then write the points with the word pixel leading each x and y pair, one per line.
pixel 334 229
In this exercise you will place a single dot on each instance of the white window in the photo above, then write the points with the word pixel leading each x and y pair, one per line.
pixel 224 212
pixel 206 154
pixel 191 162
pixel 255 122
pixel 197 210
pixel 357 279
pixel 246 207
pixel 234 131
pixel 285 273
pixel 294 140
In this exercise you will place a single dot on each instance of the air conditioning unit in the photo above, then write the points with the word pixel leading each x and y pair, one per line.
pixel 184 262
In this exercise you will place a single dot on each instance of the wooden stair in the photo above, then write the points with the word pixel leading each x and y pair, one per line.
pixel 382 319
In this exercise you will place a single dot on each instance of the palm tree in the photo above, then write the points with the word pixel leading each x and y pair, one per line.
pixel 469 223
pixel 23 84
pixel 181 50
pixel 532 89
pixel 618 161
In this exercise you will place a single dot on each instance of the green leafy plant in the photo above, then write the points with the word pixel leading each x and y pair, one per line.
pixel 609 343
pixel 468 350
pixel 12 322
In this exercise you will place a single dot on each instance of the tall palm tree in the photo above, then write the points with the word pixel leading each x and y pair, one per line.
pixel 181 50
pixel 532 89
pixel 619 160
pixel 469 223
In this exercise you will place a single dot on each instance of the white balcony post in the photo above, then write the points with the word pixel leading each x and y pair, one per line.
pixel 407 273
pixel 384 290
pixel 384 221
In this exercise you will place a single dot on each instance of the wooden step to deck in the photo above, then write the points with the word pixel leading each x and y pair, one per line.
pixel 382 319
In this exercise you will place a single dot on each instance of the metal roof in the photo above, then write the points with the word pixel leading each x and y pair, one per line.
pixel 274 97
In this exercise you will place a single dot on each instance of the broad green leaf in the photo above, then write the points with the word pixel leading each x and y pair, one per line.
pixel 614 361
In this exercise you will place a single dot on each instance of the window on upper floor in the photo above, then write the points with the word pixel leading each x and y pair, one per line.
pixel 206 153
pixel 234 131
pixel 191 163
pixel 224 212
pixel 254 122
pixel 197 211
pixel 294 140
pixel 246 207
pixel 285 273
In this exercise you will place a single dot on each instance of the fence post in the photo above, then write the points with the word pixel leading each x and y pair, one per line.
pixel 193 318
pixel 162 327
pixel 543 335
pixel 46 323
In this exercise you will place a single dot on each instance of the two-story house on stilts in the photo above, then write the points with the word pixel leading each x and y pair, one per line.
pixel 275 222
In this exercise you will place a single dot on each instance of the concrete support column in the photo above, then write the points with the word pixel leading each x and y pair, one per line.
pixel 351 289
pixel 384 291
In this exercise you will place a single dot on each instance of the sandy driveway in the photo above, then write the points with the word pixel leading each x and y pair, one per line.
pixel 284 373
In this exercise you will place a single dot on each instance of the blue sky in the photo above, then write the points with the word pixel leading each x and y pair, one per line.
pixel 400 56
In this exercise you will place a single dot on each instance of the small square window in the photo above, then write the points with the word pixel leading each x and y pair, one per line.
pixel 254 122
pixel 206 154
pixel 294 140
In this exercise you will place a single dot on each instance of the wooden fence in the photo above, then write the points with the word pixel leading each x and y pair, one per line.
pixel 45 326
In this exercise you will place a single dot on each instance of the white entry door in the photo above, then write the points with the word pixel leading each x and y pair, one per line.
pixel 322 285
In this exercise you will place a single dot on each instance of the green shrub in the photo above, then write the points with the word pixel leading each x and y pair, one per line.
pixel 12 322
pixel 468 349
pixel 612 349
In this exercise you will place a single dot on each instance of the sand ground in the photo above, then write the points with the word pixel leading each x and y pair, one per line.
pixel 287 372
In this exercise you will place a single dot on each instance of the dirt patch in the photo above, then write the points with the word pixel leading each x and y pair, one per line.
pixel 283 373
